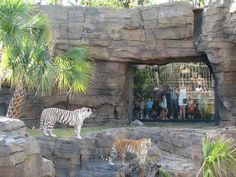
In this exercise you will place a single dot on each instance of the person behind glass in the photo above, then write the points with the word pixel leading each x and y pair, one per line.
pixel 149 107
pixel 200 80
pixel 168 99
pixel 136 110
pixel 204 89
pixel 164 110
pixel 142 107
pixel 182 102
pixel 192 109
pixel 157 95
pixel 199 88
pixel 200 104
pixel 155 101
pixel 174 103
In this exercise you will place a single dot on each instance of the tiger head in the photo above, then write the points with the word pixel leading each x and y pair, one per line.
pixel 146 143
pixel 85 112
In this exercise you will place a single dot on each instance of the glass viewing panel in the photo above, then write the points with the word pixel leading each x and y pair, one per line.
pixel 175 91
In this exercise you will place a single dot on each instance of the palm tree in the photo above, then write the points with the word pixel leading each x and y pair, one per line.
pixel 25 34
pixel 219 157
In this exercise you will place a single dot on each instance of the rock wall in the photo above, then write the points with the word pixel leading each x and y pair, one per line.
pixel 19 154
pixel 156 34
pixel 178 151
pixel 142 34
pixel 217 41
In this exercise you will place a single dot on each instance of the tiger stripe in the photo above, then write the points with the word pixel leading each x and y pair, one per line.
pixel 75 118
pixel 138 147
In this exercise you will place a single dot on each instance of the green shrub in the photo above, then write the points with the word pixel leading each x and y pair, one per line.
pixel 163 173
pixel 104 3
pixel 219 157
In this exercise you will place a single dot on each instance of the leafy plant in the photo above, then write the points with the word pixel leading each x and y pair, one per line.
pixel 144 79
pixel 219 157
pixel 114 3
pixel 103 3
pixel 163 173
pixel 75 70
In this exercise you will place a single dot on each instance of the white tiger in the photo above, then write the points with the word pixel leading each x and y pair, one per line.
pixel 74 118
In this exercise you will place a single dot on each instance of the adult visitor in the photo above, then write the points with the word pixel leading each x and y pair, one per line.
pixel 182 102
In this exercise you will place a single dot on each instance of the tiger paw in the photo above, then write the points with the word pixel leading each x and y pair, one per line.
pixel 52 135
pixel 79 137
pixel 45 133
pixel 112 164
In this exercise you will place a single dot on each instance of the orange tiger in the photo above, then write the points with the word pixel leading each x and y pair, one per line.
pixel 138 147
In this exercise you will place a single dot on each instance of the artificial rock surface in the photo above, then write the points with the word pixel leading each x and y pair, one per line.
pixel 177 150
pixel 20 154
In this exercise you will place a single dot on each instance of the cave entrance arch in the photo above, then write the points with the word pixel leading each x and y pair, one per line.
pixel 177 92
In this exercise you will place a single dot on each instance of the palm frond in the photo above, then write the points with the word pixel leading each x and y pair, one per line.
pixel 25 35
pixel 76 70
pixel 219 155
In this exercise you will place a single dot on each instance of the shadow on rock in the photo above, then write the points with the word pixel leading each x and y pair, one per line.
pixel 134 169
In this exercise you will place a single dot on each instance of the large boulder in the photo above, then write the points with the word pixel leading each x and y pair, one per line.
pixel 20 154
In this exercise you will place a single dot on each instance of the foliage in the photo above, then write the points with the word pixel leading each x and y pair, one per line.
pixel 198 3
pixel 103 3
pixel 52 2
pixel 163 173
pixel 143 79
pixel 25 33
pixel 114 3
pixel 132 3
pixel 24 36
pixel 75 70
pixel 219 157
pixel 139 78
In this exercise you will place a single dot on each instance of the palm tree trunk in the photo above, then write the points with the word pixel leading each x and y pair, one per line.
pixel 17 102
